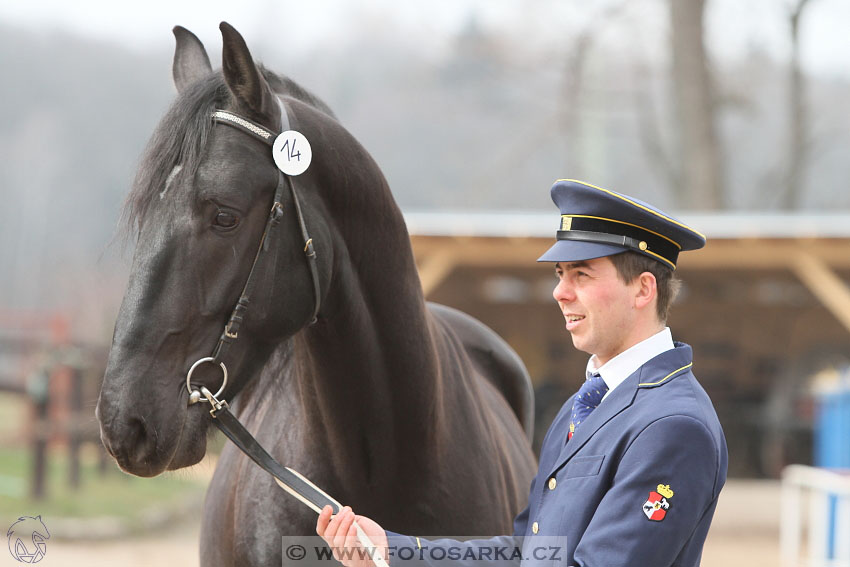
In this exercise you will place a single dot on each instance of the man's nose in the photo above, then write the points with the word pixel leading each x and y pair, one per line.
pixel 563 291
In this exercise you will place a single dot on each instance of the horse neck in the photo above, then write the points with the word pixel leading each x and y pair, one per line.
pixel 370 360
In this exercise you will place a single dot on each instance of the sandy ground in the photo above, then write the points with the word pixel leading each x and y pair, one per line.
pixel 745 532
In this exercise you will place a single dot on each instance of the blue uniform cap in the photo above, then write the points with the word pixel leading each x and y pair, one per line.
pixel 597 222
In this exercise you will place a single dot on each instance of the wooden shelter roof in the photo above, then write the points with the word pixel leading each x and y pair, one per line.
pixel 814 246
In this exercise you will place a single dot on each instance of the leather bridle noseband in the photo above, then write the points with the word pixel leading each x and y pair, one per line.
pixel 290 480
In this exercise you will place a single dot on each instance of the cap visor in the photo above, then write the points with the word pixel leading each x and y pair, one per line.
pixel 574 251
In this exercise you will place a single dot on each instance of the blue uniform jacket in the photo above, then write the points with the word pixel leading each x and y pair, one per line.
pixel 636 485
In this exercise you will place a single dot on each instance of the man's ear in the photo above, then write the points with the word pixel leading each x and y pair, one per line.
pixel 646 291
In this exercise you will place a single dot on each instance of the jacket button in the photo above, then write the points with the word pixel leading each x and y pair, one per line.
pixel 552 483
pixel 535 527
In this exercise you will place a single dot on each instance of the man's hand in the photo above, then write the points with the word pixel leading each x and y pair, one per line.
pixel 340 534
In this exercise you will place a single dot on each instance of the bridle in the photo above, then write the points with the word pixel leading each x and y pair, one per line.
pixel 223 419
pixel 231 330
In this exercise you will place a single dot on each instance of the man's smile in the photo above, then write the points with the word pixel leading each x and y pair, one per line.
pixel 573 320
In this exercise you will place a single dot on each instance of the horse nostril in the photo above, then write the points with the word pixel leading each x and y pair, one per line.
pixel 136 434
pixel 124 439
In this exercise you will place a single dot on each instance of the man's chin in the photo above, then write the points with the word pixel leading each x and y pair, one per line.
pixel 577 342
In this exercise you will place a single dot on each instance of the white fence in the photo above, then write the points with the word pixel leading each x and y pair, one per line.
pixel 815 523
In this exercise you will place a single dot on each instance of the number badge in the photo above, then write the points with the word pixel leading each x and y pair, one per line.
pixel 292 153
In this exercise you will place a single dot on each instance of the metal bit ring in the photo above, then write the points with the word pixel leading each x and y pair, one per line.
pixel 193 397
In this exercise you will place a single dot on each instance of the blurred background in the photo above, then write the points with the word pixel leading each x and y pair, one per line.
pixel 732 115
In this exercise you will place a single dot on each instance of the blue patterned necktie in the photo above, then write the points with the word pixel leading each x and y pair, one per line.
pixel 586 400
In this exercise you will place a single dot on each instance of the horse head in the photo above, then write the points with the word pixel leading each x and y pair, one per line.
pixel 200 204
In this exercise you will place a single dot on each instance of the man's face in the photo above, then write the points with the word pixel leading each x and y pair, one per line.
pixel 599 309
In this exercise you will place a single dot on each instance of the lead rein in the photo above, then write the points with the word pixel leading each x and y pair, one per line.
pixel 290 480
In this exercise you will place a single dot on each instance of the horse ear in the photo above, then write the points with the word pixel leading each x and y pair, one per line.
pixel 242 76
pixel 191 61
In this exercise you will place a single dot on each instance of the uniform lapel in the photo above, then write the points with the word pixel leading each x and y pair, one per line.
pixel 653 374
pixel 621 398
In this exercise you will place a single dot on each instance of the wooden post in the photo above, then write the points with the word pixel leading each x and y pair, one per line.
pixel 103 459
pixel 74 424
pixel 38 389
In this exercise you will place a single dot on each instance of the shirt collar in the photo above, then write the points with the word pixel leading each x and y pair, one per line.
pixel 616 370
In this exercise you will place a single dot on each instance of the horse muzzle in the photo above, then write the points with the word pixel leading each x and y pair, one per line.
pixel 147 437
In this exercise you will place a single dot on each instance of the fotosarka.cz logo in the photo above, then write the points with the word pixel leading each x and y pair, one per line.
pixel 505 551
pixel 28 539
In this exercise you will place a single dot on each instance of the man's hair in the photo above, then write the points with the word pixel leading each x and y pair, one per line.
pixel 630 265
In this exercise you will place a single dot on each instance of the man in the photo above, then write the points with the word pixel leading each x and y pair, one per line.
pixel 631 468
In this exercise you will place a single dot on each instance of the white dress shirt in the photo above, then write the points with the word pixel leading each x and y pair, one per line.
pixel 624 364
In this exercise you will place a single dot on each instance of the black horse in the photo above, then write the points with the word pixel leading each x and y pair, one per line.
pixel 414 414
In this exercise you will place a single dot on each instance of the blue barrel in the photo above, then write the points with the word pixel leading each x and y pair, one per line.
pixel 832 427
pixel 832 440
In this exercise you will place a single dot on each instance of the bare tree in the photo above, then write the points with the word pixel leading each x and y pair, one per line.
pixel 798 147
pixel 573 89
pixel 693 89
pixel 651 132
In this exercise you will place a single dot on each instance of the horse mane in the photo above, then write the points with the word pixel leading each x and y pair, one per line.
pixel 182 133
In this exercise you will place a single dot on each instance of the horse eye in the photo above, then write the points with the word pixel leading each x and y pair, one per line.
pixel 226 220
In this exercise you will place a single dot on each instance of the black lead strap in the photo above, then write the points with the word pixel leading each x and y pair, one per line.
pixel 289 480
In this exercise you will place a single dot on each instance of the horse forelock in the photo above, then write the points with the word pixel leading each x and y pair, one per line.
pixel 176 146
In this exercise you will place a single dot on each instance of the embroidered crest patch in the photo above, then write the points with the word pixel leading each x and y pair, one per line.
pixel 658 503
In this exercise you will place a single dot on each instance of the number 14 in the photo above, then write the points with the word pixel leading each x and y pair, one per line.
pixel 290 150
